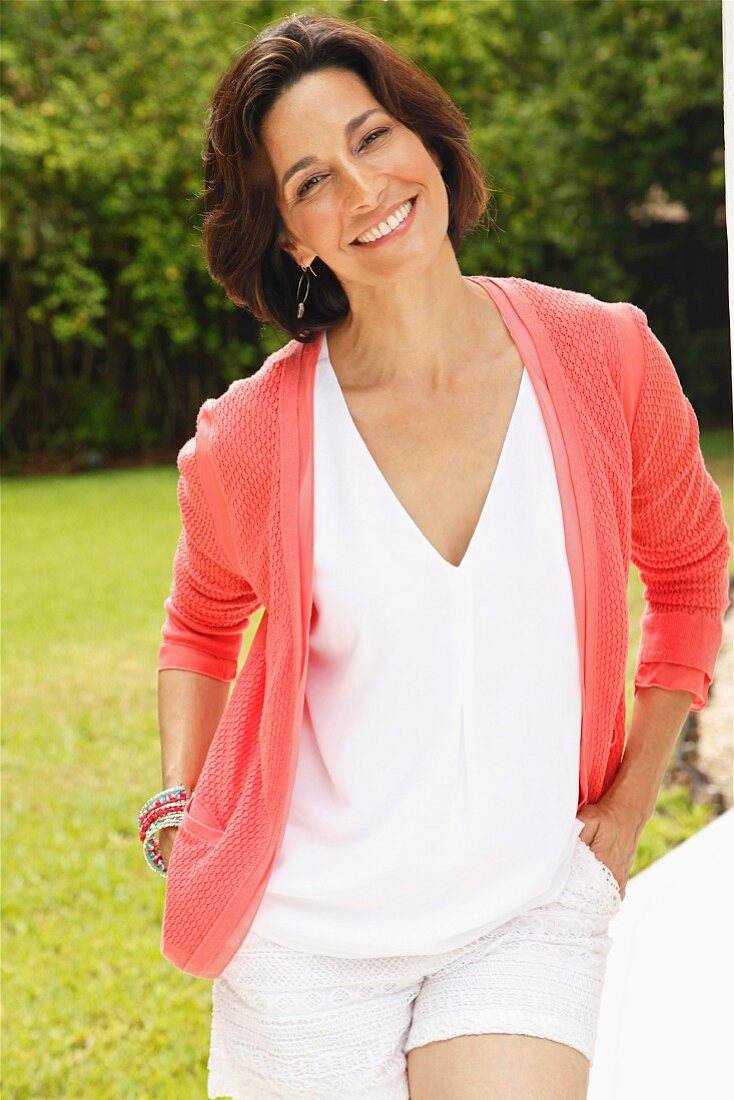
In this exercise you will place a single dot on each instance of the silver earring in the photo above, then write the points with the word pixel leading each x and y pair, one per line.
pixel 301 305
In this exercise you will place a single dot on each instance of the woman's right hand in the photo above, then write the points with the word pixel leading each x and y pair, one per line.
pixel 166 840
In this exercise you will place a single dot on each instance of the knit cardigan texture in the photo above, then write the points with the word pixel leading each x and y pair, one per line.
pixel 633 487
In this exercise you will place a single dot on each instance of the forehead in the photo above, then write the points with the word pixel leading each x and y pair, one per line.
pixel 319 105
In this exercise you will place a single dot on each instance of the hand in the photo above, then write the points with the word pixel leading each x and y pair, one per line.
pixel 166 840
pixel 611 836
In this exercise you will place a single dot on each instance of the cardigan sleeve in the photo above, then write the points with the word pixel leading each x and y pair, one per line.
pixel 676 678
pixel 680 540
pixel 210 603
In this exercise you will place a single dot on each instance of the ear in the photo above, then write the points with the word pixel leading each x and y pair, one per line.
pixel 289 248
pixel 285 242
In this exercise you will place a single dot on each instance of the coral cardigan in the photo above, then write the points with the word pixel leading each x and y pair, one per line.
pixel 633 486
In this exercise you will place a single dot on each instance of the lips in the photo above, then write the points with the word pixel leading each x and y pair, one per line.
pixel 411 198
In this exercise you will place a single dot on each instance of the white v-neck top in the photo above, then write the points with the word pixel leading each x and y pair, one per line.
pixel 436 786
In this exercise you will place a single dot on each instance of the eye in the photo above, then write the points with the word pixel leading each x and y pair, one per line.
pixel 304 188
pixel 374 133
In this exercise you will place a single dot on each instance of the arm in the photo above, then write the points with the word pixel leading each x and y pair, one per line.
pixel 207 611
pixel 190 707
pixel 657 719
pixel 680 541
pixel 614 823
pixel 681 547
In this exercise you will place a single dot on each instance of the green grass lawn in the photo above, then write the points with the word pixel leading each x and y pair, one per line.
pixel 91 1008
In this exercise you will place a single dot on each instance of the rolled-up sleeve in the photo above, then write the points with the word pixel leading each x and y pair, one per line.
pixel 680 540
pixel 675 678
pixel 210 603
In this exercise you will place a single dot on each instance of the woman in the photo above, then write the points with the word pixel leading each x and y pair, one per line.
pixel 412 820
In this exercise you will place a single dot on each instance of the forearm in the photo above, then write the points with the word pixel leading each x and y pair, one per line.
pixel 190 706
pixel 657 720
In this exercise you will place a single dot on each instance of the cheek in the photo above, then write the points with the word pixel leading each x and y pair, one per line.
pixel 320 222
pixel 418 158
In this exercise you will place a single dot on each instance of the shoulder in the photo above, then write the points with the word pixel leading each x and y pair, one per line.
pixel 235 447
pixel 584 328
pixel 556 302
pixel 593 340
pixel 246 412
pixel 258 393
pixel 242 420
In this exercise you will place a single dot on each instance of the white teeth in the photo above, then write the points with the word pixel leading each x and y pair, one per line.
pixel 392 222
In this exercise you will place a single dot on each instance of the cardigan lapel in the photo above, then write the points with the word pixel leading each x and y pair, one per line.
pixel 306 379
pixel 549 382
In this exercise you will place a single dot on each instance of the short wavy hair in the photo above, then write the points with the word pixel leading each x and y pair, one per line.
pixel 242 223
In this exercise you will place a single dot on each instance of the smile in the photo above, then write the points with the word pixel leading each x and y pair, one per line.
pixel 393 226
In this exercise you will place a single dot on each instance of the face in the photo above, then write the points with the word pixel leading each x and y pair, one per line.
pixel 356 171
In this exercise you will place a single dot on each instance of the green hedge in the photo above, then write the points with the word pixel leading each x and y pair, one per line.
pixel 600 124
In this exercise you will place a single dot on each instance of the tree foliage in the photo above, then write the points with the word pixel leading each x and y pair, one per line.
pixel 600 124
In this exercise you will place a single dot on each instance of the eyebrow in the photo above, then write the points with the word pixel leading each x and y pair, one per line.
pixel 349 129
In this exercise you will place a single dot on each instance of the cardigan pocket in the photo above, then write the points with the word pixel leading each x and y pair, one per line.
pixel 200 821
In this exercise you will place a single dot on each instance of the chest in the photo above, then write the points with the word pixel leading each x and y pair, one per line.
pixel 438 452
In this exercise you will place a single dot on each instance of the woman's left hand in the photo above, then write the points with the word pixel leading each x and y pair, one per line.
pixel 611 836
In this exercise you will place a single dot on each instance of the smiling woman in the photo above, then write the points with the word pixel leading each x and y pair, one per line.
pixel 370 132
pixel 403 837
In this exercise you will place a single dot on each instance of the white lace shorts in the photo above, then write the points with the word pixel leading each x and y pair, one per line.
pixel 287 1025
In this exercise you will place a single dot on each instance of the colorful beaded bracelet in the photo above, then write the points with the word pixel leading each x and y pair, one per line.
pixel 155 812
pixel 151 847
pixel 170 794
pixel 164 810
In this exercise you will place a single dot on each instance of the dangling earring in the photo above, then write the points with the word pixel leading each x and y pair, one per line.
pixel 302 304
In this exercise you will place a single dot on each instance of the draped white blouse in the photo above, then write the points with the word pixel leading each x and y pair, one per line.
pixel 448 710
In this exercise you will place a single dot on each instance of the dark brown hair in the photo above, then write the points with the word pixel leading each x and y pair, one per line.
pixel 242 223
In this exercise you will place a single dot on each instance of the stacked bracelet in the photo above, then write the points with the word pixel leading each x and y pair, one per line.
pixel 164 810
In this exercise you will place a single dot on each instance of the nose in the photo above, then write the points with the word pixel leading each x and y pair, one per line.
pixel 362 189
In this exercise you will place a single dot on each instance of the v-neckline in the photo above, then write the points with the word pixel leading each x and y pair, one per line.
pixel 372 462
